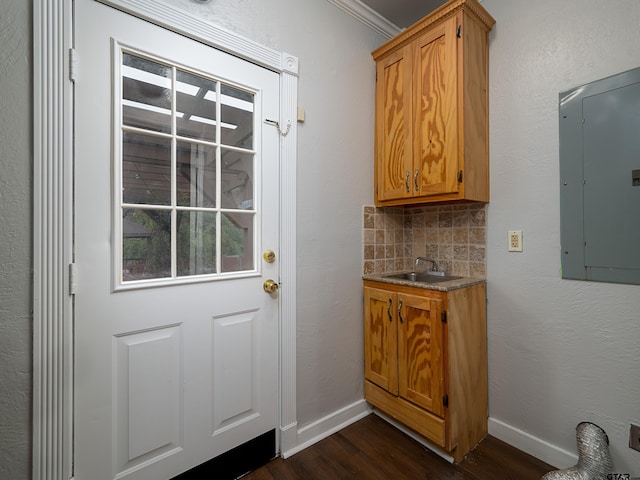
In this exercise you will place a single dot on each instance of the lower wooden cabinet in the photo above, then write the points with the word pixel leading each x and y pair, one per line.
pixel 426 361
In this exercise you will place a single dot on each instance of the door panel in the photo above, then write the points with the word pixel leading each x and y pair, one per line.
pixel 380 339
pixel 235 368
pixel 436 117
pixel 148 378
pixel 176 352
pixel 393 126
pixel 420 355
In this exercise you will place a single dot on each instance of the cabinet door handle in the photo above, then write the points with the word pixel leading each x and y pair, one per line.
pixel 400 311
pixel 406 181
pixel 415 180
pixel 389 311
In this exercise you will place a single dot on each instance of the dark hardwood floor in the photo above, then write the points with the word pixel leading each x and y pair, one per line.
pixel 371 449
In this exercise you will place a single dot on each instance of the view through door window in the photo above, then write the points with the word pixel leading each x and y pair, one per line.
pixel 186 192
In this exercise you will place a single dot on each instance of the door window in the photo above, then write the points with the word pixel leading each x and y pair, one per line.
pixel 185 173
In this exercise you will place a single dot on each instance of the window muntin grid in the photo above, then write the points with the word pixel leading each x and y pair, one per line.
pixel 186 188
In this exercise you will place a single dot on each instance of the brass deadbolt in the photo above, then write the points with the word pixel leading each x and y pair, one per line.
pixel 269 256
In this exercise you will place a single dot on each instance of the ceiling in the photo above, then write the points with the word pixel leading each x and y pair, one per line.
pixel 403 13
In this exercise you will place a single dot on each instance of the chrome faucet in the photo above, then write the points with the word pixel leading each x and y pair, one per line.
pixel 424 259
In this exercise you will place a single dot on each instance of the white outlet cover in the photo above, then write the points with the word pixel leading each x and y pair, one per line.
pixel 514 240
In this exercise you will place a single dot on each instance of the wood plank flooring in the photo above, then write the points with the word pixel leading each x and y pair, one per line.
pixel 371 449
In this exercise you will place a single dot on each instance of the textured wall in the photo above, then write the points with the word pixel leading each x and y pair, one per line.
pixel 15 239
pixel 560 351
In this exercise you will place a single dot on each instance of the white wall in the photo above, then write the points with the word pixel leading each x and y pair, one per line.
pixel 560 351
pixel 15 238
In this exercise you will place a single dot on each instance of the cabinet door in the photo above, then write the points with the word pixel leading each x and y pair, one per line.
pixel 435 148
pixel 394 101
pixel 420 351
pixel 380 339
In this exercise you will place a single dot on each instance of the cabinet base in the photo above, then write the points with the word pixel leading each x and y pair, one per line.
pixel 421 421
pixel 429 445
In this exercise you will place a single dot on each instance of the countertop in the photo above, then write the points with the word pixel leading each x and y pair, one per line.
pixel 446 286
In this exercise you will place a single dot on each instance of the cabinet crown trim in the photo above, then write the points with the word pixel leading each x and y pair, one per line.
pixel 447 10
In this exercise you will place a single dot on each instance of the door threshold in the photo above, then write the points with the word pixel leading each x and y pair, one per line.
pixel 236 462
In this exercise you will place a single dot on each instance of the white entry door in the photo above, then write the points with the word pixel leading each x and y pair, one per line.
pixel 176 198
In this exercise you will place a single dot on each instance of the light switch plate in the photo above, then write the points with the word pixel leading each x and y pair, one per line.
pixel 515 240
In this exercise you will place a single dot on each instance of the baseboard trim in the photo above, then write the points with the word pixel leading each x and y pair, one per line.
pixel 336 421
pixel 288 438
pixel 332 423
pixel 545 451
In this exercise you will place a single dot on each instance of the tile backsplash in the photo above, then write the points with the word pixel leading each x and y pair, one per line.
pixel 452 235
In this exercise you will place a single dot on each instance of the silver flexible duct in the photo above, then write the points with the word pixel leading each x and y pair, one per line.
pixel 594 459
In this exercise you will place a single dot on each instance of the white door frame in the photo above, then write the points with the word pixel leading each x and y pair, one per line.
pixel 53 70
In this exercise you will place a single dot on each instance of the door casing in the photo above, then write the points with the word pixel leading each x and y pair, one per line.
pixel 53 279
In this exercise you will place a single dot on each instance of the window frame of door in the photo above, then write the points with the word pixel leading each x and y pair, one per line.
pixel 53 272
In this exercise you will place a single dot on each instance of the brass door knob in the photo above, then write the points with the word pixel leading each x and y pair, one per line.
pixel 270 286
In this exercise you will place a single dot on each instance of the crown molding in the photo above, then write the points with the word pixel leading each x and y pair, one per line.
pixel 369 17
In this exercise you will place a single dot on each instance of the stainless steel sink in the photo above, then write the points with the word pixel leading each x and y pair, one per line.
pixel 424 277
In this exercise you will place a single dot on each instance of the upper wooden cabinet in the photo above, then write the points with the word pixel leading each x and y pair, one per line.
pixel 431 125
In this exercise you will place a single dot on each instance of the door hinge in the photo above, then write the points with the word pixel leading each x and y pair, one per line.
pixel 460 176
pixel 73 279
pixel 73 64
pixel 443 317
pixel 445 401
pixel 459 31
